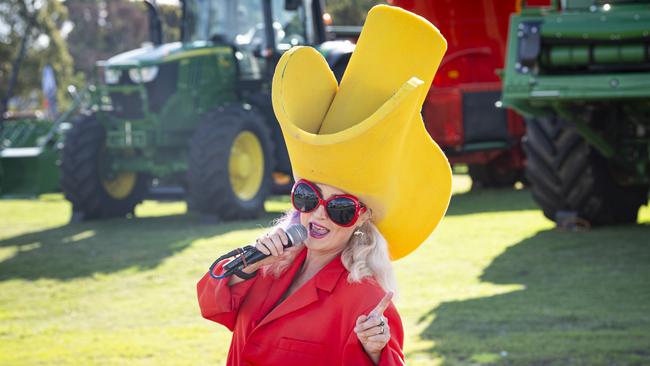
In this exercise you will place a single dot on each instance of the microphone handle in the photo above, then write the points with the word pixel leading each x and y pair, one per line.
pixel 251 254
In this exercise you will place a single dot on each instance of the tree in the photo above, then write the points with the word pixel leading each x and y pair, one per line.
pixel 29 39
pixel 102 29
pixel 171 20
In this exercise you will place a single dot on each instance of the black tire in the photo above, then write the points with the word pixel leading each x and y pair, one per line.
pixel 567 174
pixel 262 102
pixel 210 189
pixel 492 176
pixel 82 176
pixel 500 172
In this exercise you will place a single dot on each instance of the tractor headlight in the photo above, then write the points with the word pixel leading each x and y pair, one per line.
pixel 144 74
pixel 112 76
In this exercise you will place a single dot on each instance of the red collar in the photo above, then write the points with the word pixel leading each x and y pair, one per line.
pixel 327 278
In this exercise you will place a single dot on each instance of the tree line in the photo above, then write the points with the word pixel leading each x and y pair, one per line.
pixel 72 35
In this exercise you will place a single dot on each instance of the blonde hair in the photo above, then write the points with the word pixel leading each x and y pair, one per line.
pixel 365 256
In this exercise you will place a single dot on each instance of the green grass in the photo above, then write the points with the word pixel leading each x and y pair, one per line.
pixel 495 285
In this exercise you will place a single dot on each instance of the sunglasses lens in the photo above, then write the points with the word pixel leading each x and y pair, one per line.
pixel 305 199
pixel 341 210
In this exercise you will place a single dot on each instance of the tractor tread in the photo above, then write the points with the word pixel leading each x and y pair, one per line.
pixel 80 176
pixel 566 174
pixel 209 186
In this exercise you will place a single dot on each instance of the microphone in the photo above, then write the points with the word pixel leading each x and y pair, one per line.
pixel 296 234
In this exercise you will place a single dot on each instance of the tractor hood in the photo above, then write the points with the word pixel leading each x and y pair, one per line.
pixel 153 55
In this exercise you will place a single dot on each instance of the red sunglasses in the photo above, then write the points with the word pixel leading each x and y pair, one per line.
pixel 342 209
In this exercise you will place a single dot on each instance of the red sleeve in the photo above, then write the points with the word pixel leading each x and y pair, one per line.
pixel 220 302
pixel 391 355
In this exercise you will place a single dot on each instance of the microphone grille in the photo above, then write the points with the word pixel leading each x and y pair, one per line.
pixel 296 233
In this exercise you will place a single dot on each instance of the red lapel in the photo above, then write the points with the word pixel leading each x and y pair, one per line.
pixel 325 280
pixel 280 285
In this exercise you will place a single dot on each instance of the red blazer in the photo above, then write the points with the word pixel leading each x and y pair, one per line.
pixel 313 326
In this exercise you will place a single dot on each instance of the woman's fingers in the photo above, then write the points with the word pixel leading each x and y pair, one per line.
pixel 361 319
pixel 276 241
pixel 272 243
pixel 380 338
pixel 382 305
pixel 261 247
pixel 268 242
pixel 368 323
pixel 283 236
pixel 374 330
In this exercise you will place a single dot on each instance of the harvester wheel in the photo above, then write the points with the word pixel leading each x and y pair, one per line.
pixel 93 195
pixel 230 164
pixel 493 175
pixel 566 174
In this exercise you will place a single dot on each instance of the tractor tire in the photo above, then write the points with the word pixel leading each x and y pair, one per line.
pixel 566 174
pixel 92 196
pixel 230 164
pixel 493 176
pixel 282 170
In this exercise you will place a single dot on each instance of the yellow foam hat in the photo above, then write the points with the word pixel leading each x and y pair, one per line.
pixel 367 136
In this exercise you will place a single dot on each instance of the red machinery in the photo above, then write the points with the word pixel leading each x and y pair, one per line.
pixel 460 111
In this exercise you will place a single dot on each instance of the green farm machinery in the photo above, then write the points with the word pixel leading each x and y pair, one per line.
pixel 579 70
pixel 27 163
pixel 30 150
pixel 196 113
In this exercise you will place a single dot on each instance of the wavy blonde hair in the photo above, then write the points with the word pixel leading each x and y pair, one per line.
pixel 365 256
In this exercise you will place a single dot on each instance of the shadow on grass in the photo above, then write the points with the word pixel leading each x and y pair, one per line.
pixel 585 301
pixel 79 250
pixel 491 200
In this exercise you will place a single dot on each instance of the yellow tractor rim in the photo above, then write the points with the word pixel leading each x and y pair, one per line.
pixel 121 186
pixel 246 165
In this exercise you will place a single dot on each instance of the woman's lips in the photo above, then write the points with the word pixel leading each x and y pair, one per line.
pixel 316 231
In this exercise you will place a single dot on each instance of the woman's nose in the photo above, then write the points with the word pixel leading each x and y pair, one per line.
pixel 320 212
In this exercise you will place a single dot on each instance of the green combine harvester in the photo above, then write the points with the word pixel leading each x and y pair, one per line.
pixel 580 71
pixel 195 113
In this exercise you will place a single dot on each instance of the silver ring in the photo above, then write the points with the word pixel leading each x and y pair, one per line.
pixel 382 329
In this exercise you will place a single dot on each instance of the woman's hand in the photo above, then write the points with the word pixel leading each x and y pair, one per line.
pixel 373 330
pixel 272 244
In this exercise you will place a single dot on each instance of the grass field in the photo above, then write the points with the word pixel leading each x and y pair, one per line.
pixel 496 285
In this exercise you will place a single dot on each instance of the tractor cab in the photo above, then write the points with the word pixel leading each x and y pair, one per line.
pixel 259 31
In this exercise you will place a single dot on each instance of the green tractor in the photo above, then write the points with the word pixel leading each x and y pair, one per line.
pixel 196 113
pixel 579 70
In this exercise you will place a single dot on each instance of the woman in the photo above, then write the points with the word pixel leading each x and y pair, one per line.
pixel 374 186
pixel 295 303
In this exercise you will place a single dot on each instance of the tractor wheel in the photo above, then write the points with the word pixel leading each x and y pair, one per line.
pixel 230 164
pixel 282 181
pixel 82 178
pixel 566 174
pixel 492 176
pixel 495 174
